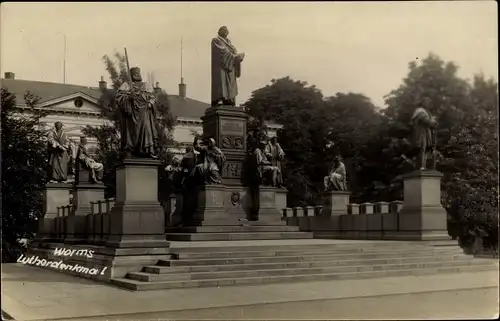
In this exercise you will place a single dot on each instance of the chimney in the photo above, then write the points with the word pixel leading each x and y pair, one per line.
pixel 157 89
pixel 10 75
pixel 103 86
pixel 182 89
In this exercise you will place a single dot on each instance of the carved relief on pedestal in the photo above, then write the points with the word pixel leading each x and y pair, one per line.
pixel 235 198
pixel 231 142
pixel 232 170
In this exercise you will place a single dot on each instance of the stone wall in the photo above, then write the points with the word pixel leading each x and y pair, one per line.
pixel 361 221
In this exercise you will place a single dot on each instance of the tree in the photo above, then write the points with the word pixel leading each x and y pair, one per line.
pixel 24 165
pixel 299 108
pixel 107 135
pixel 354 122
pixel 467 138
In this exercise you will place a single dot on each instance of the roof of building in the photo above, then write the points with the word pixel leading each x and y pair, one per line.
pixel 47 91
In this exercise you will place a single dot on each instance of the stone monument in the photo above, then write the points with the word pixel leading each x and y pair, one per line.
pixel 87 189
pixel 226 68
pixel 137 219
pixel 57 190
pixel 422 216
pixel 335 198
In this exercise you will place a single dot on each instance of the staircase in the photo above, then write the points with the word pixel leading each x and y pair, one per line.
pixel 237 233
pixel 210 264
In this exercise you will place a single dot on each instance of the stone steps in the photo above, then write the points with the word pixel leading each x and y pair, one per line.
pixel 238 236
pixel 308 245
pixel 159 269
pixel 232 254
pixel 301 257
pixel 257 262
pixel 415 269
pixel 232 229
pixel 295 268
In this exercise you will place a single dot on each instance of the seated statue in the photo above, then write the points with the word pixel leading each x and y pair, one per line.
pixel 209 163
pixel 336 179
pixel 86 162
pixel 267 173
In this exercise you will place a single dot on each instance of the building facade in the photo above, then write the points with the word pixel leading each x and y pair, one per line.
pixel 78 106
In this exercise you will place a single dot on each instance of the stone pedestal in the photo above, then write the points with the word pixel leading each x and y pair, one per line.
pixel 281 199
pixel 137 219
pixel 422 216
pixel 268 211
pixel 84 195
pixel 174 209
pixel 335 203
pixel 228 126
pixel 210 209
pixel 54 196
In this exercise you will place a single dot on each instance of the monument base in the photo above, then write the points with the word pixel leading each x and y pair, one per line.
pixel 335 203
pixel 422 216
pixel 55 195
pixel 269 200
pixel 84 195
pixel 137 219
pixel 210 209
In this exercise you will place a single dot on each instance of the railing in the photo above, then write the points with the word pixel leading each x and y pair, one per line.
pixel 98 225
pixel 61 221
pixel 360 221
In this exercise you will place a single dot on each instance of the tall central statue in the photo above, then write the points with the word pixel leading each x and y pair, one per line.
pixel 136 104
pixel 226 67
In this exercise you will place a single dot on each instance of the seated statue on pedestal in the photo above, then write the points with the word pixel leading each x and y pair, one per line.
pixel 208 164
pixel 267 173
pixel 86 162
pixel 336 179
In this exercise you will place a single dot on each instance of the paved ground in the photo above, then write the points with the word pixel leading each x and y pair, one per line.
pixel 30 293
pixel 457 304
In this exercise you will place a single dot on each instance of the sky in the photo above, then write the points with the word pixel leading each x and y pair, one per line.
pixel 360 47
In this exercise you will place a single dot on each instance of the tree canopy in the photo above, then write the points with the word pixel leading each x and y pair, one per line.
pixel 24 164
pixel 375 143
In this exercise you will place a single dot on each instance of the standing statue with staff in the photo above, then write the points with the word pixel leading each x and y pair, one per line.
pixel 138 122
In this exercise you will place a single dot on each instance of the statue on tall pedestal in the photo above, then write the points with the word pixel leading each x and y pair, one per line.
pixel 226 67
pixel 136 104
pixel 59 154
pixel 336 179
pixel 424 137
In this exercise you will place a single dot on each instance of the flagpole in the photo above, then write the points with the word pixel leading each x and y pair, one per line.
pixel 64 61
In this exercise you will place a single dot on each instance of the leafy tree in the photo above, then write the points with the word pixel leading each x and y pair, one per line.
pixel 467 138
pixel 108 135
pixel 299 108
pixel 354 122
pixel 24 164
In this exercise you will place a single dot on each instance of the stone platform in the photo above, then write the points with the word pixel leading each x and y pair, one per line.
pixel 236 233
pixel 210 264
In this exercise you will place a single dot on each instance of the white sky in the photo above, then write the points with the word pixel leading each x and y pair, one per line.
pixel 361 47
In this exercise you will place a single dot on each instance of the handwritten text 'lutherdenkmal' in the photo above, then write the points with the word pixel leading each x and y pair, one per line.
pixel 35 260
